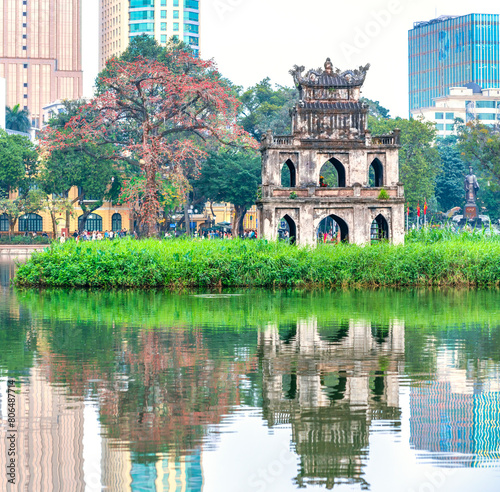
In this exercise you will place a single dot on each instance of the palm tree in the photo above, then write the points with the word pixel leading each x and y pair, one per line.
pixel 17 119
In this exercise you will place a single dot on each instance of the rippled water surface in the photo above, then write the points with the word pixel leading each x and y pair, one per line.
pixel 251 390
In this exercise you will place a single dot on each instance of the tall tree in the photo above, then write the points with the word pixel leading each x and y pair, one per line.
pixel 86 166
pixel 480 146
pixel 18 162
pixel 375 109
pixel 419 162
pixel 17 119
pixel 231 175
pixel 450 180
pixel 153 116
pixel 267 108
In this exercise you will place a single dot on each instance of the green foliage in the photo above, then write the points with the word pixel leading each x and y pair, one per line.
pixel 17 119
pixel 265 108
pixel 383 195
pixel 468 259
pixel 230 175
pixel 480 146
pixel 419 162
pixel 375 109
pixel 18 162
pixel 450 181
pixel 24 240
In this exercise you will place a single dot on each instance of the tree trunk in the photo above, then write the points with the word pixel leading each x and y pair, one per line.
pixel 237 225
pixel 186 216
pixel 54 223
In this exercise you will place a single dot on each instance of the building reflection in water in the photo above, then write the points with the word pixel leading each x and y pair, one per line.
pixel 330 383
pixel 457 415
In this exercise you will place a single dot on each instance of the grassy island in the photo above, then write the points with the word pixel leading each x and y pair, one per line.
pixel 429 258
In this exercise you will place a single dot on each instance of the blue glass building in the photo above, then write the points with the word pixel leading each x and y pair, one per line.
pixel 452 51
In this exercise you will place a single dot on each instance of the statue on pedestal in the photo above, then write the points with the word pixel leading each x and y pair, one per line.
pixel 471 187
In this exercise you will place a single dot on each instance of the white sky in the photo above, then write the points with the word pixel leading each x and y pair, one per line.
pixel 253 39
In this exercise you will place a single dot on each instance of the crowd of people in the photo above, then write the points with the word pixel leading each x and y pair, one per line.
pixel 96 235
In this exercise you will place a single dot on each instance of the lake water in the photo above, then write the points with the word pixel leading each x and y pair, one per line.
pixel 250 390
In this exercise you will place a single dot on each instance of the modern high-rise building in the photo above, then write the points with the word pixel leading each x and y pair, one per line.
pixel 40 52
pixel 452 51
pixel 162 19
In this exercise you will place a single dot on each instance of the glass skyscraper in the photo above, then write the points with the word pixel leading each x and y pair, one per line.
pixel 121 20
pixel 452 51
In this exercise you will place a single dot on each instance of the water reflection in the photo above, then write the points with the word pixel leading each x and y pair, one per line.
pixel 138 391
pixel 329 382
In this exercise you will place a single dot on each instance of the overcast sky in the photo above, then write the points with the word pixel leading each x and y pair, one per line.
pixel 253 39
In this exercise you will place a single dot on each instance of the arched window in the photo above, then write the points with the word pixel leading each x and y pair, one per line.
pixel 93 222
pixel 287 230
pixel 116 222
pixel 376 174
pixel 31 223
pixel 379 229
pixel 332 229
pixel 4 223
pixel 332 174
pixel 288 175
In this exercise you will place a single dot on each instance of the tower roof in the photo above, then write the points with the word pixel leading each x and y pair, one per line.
pixel 329 77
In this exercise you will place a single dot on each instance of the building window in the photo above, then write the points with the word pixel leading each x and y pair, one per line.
pixel 134 4
pixel 25 48
pixel 163 3
pixel 175 37
pixel 191 40
pixel 24 14
pixel 439 127
pixel 191 28
pixel 25 96
pixel 116 222
pixel 176 3
pixel 25 25
pixel 176 26
pixel 163 14
pixel 163 26
pixel 93 223
pixel 25 65
pixel 4 223
pixel 486 116
pixel 450 116
pixel 25 36
pixel 142 15
pixel 31 223
pixel 142 27
pixel 449 127
pixel 25 84
pixel 438 116
pixel 191 16
pixel 176 14
pixel 485 104
pixel 191 4
pixel 163 39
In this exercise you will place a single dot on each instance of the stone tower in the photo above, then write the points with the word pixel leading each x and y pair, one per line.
pixel 364 199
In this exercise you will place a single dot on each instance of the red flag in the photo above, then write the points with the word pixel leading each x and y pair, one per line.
pixel 418 209
pixel 425 207
pixel 407 209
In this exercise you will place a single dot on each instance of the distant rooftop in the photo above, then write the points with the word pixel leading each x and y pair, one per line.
pixel 441 18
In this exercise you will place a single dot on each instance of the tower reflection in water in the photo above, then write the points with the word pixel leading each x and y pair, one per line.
pixel 330 383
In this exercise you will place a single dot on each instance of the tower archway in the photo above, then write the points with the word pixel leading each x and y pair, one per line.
pixel 376 174
pixel 379 229
pixel 288 175
pixel 332 174
pixel 332 229
pixel 287 229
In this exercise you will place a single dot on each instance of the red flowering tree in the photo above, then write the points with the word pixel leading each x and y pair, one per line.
pixel 155 116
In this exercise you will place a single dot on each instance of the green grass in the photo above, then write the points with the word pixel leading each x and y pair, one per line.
pixel 429 258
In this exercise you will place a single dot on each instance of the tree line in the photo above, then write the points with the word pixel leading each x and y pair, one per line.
pixel 166 132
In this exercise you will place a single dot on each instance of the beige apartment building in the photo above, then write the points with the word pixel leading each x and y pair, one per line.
pixel 40 52
pixel 468 103
pixel 121 20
